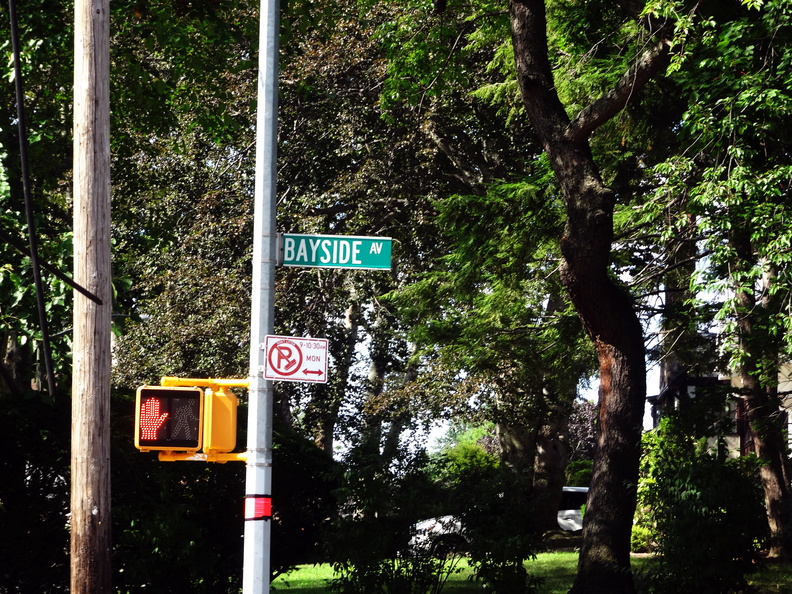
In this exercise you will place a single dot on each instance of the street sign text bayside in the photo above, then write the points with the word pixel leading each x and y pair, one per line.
pixel 336 251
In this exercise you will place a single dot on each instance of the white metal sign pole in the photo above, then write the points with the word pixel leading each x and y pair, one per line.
pixel 258 479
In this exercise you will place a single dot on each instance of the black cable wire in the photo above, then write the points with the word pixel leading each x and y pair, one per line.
pixel 21 247
pixel 23 146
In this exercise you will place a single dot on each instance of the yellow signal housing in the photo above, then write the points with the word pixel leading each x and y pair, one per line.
pixel 169 418
pixel 218 407
pixel 220 421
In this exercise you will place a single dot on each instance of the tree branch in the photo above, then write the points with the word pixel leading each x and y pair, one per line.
pixel 534 72
pixel 467 175
pixel 603 109
pixel 670 267
pixel 332 210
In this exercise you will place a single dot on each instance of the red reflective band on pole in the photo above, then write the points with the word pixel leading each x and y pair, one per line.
pixel 258 507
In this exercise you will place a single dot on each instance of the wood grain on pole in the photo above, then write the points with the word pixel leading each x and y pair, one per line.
pixel 90 458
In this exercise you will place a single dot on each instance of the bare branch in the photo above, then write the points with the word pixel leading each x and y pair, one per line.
pixel 670 267
pixel 603 109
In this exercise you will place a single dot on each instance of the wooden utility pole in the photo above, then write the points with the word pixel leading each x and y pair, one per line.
pixel 90 455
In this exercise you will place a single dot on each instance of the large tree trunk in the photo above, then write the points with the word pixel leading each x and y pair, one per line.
pixel 610 320
pixel 549 468
pixel 768 440
pixel 759 363
pixel 605 309
pixel 518 444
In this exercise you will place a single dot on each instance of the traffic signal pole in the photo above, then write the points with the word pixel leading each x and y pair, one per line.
pixel 258 478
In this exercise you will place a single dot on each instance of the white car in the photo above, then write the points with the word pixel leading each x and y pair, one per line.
pixel 445 534
pixel 570 510
pixel 439 535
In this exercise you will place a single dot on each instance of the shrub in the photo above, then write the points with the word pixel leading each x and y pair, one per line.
pixel 578 473
pixel 707 511
pixel 368 543
pixel 494 503
pixel 641 539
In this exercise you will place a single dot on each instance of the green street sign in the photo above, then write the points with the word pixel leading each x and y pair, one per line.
pixel 335 251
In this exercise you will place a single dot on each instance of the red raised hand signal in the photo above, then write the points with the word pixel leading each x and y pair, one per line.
pixel 150 419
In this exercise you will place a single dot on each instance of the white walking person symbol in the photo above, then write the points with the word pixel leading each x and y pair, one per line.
pixel 182 422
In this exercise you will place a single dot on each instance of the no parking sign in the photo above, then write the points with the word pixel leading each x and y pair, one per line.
pixel 295 359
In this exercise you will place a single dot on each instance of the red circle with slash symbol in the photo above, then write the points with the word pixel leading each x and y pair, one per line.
pixel 285 357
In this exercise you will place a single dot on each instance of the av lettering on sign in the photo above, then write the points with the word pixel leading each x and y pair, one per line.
pixel 336 251
pixel 295 359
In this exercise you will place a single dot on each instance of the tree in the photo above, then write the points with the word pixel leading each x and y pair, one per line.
pixel 182 200
pixel 189 281
pixel 175 159
pixel 34 490
pixel 476 312
pixel 707 510
pixel 732 170
pixel 481 318
pixel 605 308
pixel 46 61
pixel 548 90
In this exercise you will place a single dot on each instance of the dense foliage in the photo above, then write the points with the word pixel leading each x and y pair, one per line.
pixel 721 199
pixel 404 119
pixel 490 501
pixel 707 512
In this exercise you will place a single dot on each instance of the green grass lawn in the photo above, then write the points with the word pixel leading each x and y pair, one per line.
pixel 558 569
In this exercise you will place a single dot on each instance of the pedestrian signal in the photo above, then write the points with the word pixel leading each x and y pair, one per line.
pixel 168 418
pixel 220 424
